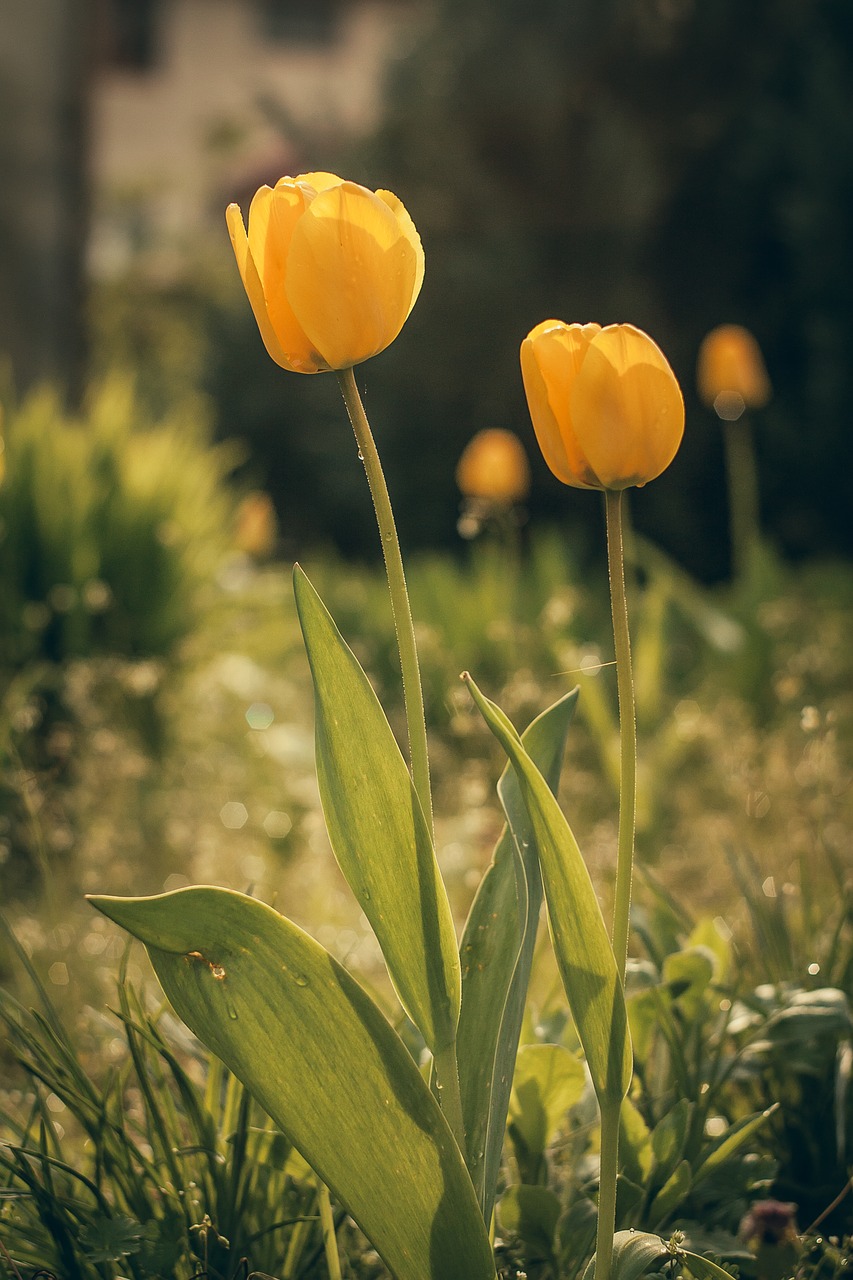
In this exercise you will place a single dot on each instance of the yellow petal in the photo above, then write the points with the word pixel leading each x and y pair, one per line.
pixel 252 282
pixel 273 214
pixel 409 230
pixel 351 274
pixel 627 409
pixel 551 356
pixel 319 181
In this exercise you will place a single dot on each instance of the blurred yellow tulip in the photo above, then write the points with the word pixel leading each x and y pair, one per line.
pixel 331 269
pixel 606 407
pixel 494 468
pixel 256 527
pixel 731 372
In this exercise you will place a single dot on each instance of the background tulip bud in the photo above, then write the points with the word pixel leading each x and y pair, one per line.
pixel 731 373
pixel 331 269
pixel 606 407
pixel 256 527
pixel 494 467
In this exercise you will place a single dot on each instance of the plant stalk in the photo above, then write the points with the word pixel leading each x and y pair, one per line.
pixel 450 1094
pixel 330 1239
pixel 742 473
pixel 627 732
pixel 608 1172
pixel 400 607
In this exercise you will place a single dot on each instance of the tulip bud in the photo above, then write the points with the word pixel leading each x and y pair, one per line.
pixel 494 468
pixel 731 372
pixel 256 526
pixel 331 269
pixel 606 407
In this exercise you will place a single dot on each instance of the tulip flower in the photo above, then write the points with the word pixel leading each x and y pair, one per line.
pixel 606 407
pixel 331 269
pixel 731 372
pixel 493 468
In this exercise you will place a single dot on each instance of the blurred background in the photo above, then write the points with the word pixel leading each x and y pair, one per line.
pixel 667 162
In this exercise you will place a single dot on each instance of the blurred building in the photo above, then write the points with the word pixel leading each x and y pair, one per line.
pixel 197 102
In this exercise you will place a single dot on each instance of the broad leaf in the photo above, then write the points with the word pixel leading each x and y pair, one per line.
pixel 671 1194
pixel 497 953
pixel 635 1253
pixel 548 1081
pixel 581 943
pixel 324 1063
pixel 377 828
pixel 669 1138
pixel 530 1214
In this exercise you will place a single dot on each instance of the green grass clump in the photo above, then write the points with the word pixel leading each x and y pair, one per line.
pixel 110 526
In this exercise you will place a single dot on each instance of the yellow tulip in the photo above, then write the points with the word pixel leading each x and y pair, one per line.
pixel 331 269
pixel 731 372
pixel 606 407
pixel 494 467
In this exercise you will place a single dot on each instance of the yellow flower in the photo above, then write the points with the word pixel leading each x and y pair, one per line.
pixel 331 269
pixel 731 373
pixel 494 467
pixel 606 407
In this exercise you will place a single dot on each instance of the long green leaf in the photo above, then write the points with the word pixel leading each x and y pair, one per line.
pixel 324 1063
pixel 377 828
pixel 497 954
pixel 581 943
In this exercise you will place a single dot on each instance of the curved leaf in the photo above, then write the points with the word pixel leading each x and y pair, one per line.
pixel 581 943
pixel 497 953
pixel 377 828
pixel 324 1063
pixel 634 1254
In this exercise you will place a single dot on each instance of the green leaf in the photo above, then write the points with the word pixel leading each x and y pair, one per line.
pixel 635 1145
pixel 325 1065
pixel 530 1214
pixel 581 942
pixel 497 954
pixel 634 1254
pixel 377 828
pixel 110 1239
pixel 687 975
pixel 669 1137
pixel 548 1081
pixel 671 1194
pixel 730 1142
pixel 703 1268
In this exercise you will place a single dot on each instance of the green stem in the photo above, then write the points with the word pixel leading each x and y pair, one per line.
pixel 744 521
pixel 450 1094
pixel 400 607
pixel 609 1169
pixel 627 731
pixel 330 1239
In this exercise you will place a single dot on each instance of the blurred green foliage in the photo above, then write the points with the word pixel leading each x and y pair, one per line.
pixel 111 523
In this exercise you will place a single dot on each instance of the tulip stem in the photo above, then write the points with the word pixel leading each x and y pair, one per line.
pixel 607 1183
pixel 627 731
pixel 400 607
pixel 744 520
